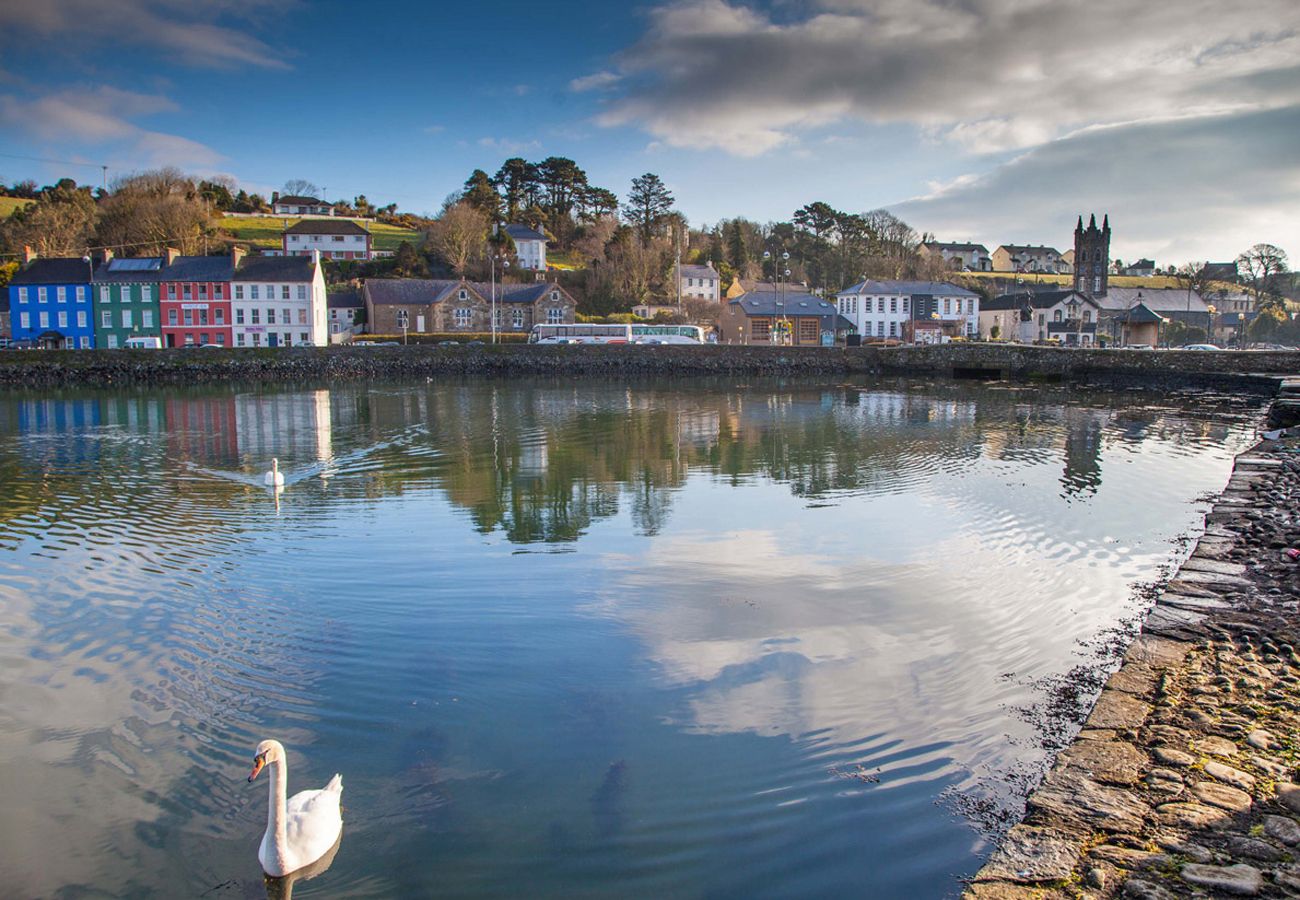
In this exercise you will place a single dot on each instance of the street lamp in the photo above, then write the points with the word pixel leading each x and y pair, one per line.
pixel 504 260
pixel 779 285
pixel 1209 308
pixel 403 320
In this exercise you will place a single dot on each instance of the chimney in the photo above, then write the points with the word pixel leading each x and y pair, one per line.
pixel 170 255
pixel 28 254
pixel 315 257
pixel 108 254
pixel 275 195
pixel 237 256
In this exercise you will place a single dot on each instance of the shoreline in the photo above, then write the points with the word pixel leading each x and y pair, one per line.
pixel 1182 779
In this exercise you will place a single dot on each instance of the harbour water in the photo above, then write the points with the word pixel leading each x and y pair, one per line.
pixel 563 639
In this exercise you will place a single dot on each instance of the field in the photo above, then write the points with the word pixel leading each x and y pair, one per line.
pixel 264 231
pixel 1138 281
pixel 9 204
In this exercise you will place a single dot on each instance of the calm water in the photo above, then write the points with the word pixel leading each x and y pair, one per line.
pixel 562 641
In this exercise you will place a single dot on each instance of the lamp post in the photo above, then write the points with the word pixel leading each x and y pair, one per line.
pixel 1209 308
pixel 403 320
pixel 779 269
pixel 504 260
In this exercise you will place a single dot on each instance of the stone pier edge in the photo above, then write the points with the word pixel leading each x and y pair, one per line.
pixel 1092 827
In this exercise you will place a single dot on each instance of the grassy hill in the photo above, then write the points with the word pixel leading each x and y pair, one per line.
pixel 9 204
pixel 264 231
pixel 1066 281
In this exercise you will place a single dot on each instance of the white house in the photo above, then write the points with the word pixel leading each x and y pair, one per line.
pixel 300 206
pixel 334 238
pixel 1065 316
pixel 530 247
pixel 891 309
pixel 1028 258
pixel 345 308
pixel 962 257
pixel 702 282
pixel 279 301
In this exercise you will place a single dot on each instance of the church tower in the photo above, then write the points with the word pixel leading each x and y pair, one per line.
pixel 1092 256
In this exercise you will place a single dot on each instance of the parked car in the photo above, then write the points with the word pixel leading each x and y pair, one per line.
pixel 448 343
pixel 473 343
pixel 1201 347
pixel 139 342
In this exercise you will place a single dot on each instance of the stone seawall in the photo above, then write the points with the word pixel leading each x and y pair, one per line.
pixel 1229 370
pixel 1182 781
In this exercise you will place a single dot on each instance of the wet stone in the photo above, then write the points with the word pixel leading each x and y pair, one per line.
pixel 1158 652
pixel 1217 746
pixel 1133 678
pixel 1110 762
pixel 1128 858
pixel 1240 880
pixel 1067 796
pixel 1029 855
pixel 1168 756
pixel 1116 709
pixel 1222 796
pixel 1229 775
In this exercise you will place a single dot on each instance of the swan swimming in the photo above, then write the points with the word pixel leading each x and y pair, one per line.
pixel 304 829
pixel 274 478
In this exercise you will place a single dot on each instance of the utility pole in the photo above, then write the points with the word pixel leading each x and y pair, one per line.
pixel 104 178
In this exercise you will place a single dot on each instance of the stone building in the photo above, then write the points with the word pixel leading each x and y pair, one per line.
pixel 1092 256
pixel 426 305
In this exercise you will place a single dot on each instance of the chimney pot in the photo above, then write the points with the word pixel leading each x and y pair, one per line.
pixel 28 254
pixel 237 256
pixel 170 255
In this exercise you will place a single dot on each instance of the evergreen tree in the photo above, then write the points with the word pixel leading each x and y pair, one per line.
pixel 648 205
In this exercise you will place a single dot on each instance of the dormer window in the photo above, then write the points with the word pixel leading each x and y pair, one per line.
pixel 464 295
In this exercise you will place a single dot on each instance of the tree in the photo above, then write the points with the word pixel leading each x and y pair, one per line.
pixel 516 180
pixel 300 187
pixel 648 204
pixel 60 223
pixel 217 192
pixel 480 194
pixel 407 262
pixel 1260 266
pixel 151 211
pixel 597 203
pixel 459 236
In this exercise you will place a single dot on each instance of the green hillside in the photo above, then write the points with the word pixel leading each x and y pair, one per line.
pixel 9 204
pixel 264 231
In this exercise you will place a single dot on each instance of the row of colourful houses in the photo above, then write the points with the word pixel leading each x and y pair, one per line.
pixel 227 301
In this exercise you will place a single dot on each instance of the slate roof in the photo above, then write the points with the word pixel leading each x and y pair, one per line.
pixel 1021 248
pixel 518 293
pixel 957 248
pixel 326 226
pixel 411 291
pixel 55 270
pixel 343 300
pixel 699 272
pixel 275 268
pixel 1039 300
pixel 523 233
pixel 930 288
pixel 1224 271
pixel 139 270
pixel 294 200
pixel 798 303
pixel 1143 313
pixel 198 268
pixel 1162 300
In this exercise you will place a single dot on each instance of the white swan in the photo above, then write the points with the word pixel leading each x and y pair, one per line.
pixel 303 830
pixel 274 478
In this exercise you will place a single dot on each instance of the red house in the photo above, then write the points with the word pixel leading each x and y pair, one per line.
pixel 194 298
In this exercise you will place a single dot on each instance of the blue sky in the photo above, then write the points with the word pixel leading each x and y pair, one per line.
pixel 992 120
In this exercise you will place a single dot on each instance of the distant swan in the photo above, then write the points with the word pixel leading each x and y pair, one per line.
pixel 300 832
pixel 274 478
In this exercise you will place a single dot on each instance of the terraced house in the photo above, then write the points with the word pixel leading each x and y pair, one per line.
pixel 126 300
pixel 49 303
pixel 423 305
pixel 279 301
pixel 195 294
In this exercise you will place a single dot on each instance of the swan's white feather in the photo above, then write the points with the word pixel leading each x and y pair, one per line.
pixel 313 821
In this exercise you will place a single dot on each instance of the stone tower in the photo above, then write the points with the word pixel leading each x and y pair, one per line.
pixel 1092 256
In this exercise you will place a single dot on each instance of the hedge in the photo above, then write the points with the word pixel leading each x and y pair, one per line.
pixel 503 337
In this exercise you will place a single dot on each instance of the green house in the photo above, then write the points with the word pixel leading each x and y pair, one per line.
pixel 124 300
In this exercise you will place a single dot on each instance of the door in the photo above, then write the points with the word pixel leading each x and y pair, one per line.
pixel 272 340
pixel 419 324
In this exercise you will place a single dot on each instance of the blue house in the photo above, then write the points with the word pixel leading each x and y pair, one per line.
pixel 49 304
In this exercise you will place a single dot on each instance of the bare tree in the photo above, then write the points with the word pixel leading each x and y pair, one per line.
pixel 151 211
pixel 300 187
pixel 459 236
pixel 1261 265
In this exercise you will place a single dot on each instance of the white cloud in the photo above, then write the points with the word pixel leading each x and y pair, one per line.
pixel 189 33
pixel 102 118
pixel 986 74
pixel 506 145
pixel 595 81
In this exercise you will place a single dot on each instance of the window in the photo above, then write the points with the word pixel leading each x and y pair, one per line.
pixel 893 304
pixel 146 293
pixel 286 318
pixel 112 342
pixel 1056 316
pixel 239 339
pixel 221 338
pixel 555 296
pixel 257 339
pixel 63 318
pixel 146 318
pixel 252 291
pixel 171 317
pixel 288 339
pixel 239 316
pixel 22 295
pixel 187 291
pixel 171 292
pixel 239 292
pixel 464 317
pixel 338 238
pixel 905 299
pixel 219 316
pixel 106 318
pixel 126 318
pixel 302 292
pixel 893 329
pixel 41 295
pixel 946 306
pixel 464 295
pixel 81 318
pixel 302 316
pixel 104 294
pixel 189 317
pixel 203 292
pixel 270 316
pixel 203 318
pixel 1096 284
pixel 498 318
pixel 255 318
pixel 203 338
pixel 284 292
pixel 44 319
pixel 293 238
pixel 517 319
pixel 1041 319
pixel 25 319
pixel 62 294
pixel 304 338
pixel 808 331
pixel 555 315
pixel 880 329
pixel 760 329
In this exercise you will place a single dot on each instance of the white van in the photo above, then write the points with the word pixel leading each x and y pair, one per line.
pixel 143 343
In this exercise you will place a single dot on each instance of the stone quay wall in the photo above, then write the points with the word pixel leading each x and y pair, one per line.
pixel 1224 369
pixel 1183 779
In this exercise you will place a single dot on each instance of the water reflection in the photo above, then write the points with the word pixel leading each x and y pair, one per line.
pixel 763 586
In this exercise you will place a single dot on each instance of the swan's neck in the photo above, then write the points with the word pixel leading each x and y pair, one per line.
pixel 278 788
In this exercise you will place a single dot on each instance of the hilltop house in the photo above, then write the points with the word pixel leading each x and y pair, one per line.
pixel 279 301
pixel 49 303
pixel 1027 316
pixel 1028 258
pixel 530 247
pixel 1143 267
pixel 423 305
pixel 126 299
pixel 195 299
pixel 291 205
pixel 700 282
pixel 769 316
pixel 961 257
pixel 921 311
pixel 334 238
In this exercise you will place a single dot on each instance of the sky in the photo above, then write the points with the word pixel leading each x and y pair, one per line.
pixel 997 121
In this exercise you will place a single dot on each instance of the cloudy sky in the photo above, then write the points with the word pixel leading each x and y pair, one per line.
pixel 991 120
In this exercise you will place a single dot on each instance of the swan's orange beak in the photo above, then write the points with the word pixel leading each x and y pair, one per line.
pixel 258 763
